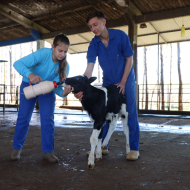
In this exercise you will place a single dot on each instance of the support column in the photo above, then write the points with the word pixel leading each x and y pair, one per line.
pixel 40 44
pixel 132 33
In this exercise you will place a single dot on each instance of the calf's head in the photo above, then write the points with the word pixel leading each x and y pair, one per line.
pixel 79 83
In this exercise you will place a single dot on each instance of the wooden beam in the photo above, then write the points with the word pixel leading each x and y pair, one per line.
pixel 128 7
pixel 162 32
pixel 10 26
pixel 79 43
pixel 5 2
pixel 82 29
pixel 21 19
pixel 170 14
pixel 71 10
pixel 134 9
pixel 62 13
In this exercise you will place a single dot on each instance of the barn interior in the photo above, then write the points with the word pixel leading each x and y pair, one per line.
pixel 164 142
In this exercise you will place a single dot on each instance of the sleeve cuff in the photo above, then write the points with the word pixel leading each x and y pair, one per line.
pixel 27 73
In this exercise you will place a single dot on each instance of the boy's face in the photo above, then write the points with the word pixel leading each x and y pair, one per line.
pixel 59 52
pixel 96 25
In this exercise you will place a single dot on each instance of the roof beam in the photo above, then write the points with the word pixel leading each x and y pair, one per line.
pixel 5 2
pixel 83 37
pixel 128 7
pixel 162 32
pixel 158 32
pixel 21 19
pixel 169 42
pixel 17 41
pixel 90 5
pixel 72 31
pixel 10 26
pixel 133 8
pixel 62 13
pixel 170 14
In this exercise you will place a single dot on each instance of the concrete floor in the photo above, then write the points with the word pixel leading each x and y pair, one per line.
pixel 79 119
pixel 163 162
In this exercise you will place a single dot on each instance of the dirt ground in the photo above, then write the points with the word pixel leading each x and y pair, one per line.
pixel 164 161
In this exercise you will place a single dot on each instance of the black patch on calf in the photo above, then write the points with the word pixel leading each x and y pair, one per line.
pixel 93 100
pixel 123 116
pixel 115 99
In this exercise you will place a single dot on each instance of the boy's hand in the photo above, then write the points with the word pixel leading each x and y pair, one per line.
pixel 78 95
pixel 67 90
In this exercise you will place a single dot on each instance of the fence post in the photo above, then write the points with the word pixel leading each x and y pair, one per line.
pixel 138 100
pixel 4 100
pixel 17 97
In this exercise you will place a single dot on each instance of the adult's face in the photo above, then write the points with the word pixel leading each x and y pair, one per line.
pixel 96 25
pixel 59 52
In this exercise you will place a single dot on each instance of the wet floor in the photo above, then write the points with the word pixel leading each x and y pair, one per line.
pixel 80 119
pixel 163 162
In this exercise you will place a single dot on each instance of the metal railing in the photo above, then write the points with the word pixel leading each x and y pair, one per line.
pixel 165 98
pixel 10 97
pixel 151 99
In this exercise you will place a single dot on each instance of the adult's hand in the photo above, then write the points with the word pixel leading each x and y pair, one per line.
pixel 122 87
pixel 78 95
pixel 34 78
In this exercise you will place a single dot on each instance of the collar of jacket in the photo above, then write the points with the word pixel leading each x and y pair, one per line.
pixel 110 36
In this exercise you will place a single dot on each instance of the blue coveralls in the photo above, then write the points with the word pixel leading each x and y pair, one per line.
pixel 112 61
pixel 39 63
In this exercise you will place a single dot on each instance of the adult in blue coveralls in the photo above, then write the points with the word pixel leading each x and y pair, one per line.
pixel 115 57
pixel 45 64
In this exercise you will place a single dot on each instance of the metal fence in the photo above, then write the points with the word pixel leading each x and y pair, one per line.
pixel 150 98
pixel 166 97
pixel 10 97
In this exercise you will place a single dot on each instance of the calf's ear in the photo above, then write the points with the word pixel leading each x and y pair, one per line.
pixel 92 79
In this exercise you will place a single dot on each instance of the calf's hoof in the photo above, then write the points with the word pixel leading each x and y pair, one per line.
pixel 97 159
pixel 103 146
pixel 104 152
pixel 91 166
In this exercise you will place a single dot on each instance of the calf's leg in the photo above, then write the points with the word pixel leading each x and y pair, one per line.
pixel 94 143
pixel 124 117
pixel 98 151
pixel 112 125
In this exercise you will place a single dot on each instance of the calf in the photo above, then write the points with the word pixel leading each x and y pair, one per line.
pixel 102 104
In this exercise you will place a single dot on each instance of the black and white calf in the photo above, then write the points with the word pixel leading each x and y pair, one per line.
pixel 102 104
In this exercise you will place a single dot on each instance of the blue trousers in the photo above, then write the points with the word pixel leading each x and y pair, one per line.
pixel 130 91
pixel 26 107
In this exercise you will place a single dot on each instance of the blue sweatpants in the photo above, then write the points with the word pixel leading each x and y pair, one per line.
pixel 26 107
pixel 133 123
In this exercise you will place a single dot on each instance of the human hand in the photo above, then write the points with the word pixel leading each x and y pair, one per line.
pixel 78 95
pixel 122 87
pixel 67 90
pixel 34 78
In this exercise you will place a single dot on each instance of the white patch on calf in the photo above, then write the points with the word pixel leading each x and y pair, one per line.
pixel 112 125
pixel 93 142
pixel 98 149
pixel 106 92
pixel 125 125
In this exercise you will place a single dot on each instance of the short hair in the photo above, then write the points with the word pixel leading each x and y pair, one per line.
pixel 93 14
